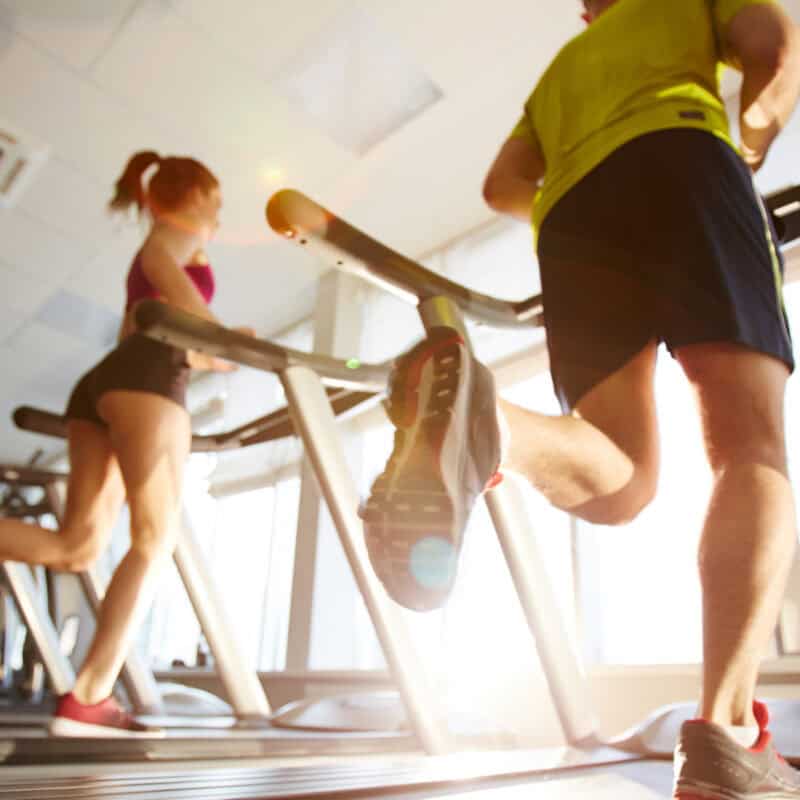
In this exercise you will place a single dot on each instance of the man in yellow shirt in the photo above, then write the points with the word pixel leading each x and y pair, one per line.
pixel 649 230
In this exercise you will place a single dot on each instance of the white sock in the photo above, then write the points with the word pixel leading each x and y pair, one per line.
pixel 745 735
pixel 505 435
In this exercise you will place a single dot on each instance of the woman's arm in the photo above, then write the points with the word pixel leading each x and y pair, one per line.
pixel 176 288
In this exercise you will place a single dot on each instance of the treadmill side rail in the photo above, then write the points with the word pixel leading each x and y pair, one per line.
pixel 244 690
pixel 32 610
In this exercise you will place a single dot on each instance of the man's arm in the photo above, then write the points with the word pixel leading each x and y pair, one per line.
pixel 763 42
pixel 513 179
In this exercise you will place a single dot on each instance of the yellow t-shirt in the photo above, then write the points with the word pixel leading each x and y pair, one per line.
pixel 641 66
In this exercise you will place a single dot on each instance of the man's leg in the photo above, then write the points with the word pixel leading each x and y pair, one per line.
pixel 601 462
pixel 749 536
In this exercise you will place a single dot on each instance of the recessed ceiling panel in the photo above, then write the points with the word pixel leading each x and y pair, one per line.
pixel 33 247
pixel 71 202
pixel 80 318
pixel 357 81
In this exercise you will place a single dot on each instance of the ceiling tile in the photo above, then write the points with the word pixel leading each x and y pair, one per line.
pixel 242 28
pixel 84 124
pixel 18 368
pixel 77 316
pixel 11 320
pixel 57 379
pixel 35 248
pixel 24 292
pixel 267 286
pixel 41 344
pixel 102 280
pixel 224 110
pixel 357 82
pixel 71 202
pixel 74 31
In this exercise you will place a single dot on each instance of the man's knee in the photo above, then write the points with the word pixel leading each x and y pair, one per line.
pixel 769 451
pixel 623 506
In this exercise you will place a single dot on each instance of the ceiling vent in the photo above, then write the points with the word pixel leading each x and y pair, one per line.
pixel 21 156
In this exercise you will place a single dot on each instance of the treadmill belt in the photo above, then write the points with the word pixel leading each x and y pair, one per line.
pixel 590 787
pixel 639 780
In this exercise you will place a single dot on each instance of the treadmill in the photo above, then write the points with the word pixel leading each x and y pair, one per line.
pixel 637 765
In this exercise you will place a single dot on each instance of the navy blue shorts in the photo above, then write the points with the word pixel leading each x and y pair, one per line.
pixel 137 364
pixel 667 239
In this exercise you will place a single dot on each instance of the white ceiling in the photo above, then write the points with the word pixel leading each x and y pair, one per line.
pixel 99 79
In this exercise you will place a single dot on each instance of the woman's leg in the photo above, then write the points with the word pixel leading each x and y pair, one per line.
pixel 151 438
pixel 95 493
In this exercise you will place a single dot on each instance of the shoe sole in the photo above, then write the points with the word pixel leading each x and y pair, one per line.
pixel 720 794
pixel 431 507
pixel 62 726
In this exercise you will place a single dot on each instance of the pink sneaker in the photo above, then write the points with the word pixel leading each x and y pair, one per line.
pixel 103 719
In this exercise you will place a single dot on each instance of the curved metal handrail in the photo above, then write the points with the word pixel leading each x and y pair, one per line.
pixel 273 426
pixel 182 329
pixel 295 216
pixel 29 476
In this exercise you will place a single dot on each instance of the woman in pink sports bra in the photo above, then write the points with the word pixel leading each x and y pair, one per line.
pixel 129 435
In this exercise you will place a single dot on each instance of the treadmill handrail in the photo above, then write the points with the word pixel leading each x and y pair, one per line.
pixel 183 329
pixel 295 216
pixel 29 476
pixel 276 425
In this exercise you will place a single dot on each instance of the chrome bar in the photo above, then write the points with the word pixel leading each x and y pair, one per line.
pixel 182 329
pixel 276 425
pixel 316 425
pixel 565 677
pixel 39 625
pixel 299 218
pixel 244 690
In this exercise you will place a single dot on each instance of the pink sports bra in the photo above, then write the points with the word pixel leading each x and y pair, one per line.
pixel 139 287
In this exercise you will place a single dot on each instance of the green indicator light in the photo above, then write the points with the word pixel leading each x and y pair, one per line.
pixel 352 363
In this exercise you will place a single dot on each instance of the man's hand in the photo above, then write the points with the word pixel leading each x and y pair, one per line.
pixel 763 42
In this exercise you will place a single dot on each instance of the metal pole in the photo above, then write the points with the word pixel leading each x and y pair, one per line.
pixel 244 689
pixel 562 669
pixel 525 563
pixel 34 613
pixel 315 422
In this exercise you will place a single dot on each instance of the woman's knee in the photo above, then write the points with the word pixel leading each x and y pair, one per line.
pixel 81 546
pixel 153 540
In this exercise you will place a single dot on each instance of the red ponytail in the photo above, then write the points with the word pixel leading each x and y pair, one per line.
pixel 168 188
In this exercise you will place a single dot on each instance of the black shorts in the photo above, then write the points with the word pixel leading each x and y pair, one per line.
pixel 137 364
pixel 667 239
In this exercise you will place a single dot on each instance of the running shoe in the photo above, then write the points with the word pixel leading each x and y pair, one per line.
pixel 710 765
pixel 447 451
pixel 105 719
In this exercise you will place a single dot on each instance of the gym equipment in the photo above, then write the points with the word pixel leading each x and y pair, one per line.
pixel 589 765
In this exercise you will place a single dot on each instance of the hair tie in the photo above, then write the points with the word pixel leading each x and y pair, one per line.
pixel 149 172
